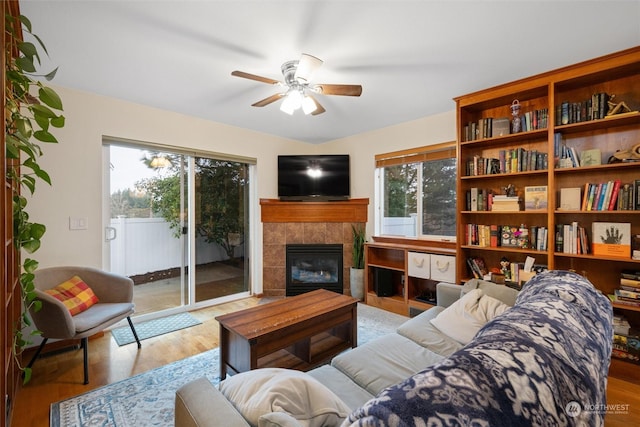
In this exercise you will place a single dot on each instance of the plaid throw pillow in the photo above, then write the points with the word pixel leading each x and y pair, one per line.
pixel 76 295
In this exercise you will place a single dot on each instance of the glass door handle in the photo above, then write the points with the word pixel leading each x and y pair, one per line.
pixel 110 233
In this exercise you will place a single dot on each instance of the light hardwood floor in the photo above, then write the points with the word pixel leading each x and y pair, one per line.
pixel 59 376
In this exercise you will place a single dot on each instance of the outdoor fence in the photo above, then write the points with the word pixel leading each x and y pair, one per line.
pixel 146 245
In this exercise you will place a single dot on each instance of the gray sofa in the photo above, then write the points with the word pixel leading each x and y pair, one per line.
pixel 355 376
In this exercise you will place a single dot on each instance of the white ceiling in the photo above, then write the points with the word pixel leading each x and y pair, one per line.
pixel 411 57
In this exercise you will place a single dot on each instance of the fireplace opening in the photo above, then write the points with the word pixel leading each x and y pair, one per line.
pixel 313 266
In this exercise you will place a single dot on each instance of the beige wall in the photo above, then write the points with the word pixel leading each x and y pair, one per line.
pixel 363 148
pixel 76 166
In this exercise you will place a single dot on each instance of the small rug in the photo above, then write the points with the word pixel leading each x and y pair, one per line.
pixel 155 327
pixel 147 399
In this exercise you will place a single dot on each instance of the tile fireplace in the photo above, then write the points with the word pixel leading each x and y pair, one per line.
pixel 306 223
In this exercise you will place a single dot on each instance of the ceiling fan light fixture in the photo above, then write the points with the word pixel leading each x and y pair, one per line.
pixel 307 67
pixel 308 105
pixel 291 102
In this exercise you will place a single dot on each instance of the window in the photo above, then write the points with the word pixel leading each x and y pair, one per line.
pixel 417 192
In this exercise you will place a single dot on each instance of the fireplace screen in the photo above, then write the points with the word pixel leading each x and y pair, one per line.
pixel 311 267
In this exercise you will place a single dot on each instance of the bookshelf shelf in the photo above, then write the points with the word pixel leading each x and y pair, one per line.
pixel 576 95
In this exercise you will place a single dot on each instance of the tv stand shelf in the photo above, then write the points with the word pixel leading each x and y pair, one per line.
pixel 393 284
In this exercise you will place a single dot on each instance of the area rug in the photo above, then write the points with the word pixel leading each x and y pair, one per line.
pixel 155 327
pixel 147 399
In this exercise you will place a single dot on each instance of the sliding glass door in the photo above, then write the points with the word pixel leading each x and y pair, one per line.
pixel 176 225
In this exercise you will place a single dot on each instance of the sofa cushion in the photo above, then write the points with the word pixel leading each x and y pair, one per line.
pixel 348 391
pixel 500 292
pixel 277 419
pixel 262 391
pixel 420 330
pixel 463 319
pixel 384 361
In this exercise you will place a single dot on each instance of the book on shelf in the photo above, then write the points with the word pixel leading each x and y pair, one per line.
pixel 613 298
pixel 626 199
pixel 570 199
pixel 591 157
pixel 630 274
pixel 501 127
pixel 535 198
pixel 627 295
pixel 636 194
pixel 611 239
pixel 477 266
pixel 626 346
pixel 635 246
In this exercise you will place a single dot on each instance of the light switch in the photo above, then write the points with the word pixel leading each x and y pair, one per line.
pixel 77 223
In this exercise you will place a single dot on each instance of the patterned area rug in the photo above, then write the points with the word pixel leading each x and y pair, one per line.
pixel 155 327
pixel 147 399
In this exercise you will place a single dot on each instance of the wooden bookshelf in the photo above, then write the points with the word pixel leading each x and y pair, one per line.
pixel 615 74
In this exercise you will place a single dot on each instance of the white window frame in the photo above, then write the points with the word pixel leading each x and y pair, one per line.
pixel 411 156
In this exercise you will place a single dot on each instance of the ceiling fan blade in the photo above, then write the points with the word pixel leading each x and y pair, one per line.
pixel 307 66
pixel 254 77
pixel 319 108
pixel 269 100
pixel 344 90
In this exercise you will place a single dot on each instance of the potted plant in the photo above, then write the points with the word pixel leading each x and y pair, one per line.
pixel 356 277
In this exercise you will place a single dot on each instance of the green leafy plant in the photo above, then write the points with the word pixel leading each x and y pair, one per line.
pixel 359 236
pixel 31 110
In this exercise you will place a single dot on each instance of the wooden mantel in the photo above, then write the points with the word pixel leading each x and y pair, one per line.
pixel 352 210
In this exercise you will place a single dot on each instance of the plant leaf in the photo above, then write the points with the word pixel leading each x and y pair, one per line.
pixel 25 21
pixel 51 74
pixel 30 265
pixel 50 97
pixel 26 64
pixel 43 175
pixel 44 136
pixel 42 110
pixel 58 122
pixel 28 49
pixel 38 230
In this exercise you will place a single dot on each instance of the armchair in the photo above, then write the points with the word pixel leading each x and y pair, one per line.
pixel 115 302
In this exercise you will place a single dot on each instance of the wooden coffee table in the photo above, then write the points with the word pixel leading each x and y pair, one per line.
pixel 299 332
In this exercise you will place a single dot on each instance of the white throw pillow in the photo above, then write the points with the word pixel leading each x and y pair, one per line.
pixel 463 319
pixel 262 391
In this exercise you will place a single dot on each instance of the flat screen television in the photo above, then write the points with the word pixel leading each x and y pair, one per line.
pixel 313 177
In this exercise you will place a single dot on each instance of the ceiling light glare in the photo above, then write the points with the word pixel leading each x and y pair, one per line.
pixel 314 172
pixel 288 105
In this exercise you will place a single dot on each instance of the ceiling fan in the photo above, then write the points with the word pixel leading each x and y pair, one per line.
pixel 299 91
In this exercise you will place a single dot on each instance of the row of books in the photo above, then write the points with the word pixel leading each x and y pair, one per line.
pixel 593 108
pixel 629 291
pixel 572 239
pixel 533 120
pixel 626 339
pixel 477 267
pixel 508 161
pixel 480 199
pixel 610 195
pixel 490 127
pixel 494 235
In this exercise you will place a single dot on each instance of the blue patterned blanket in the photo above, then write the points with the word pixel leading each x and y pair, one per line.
pixel 544 362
